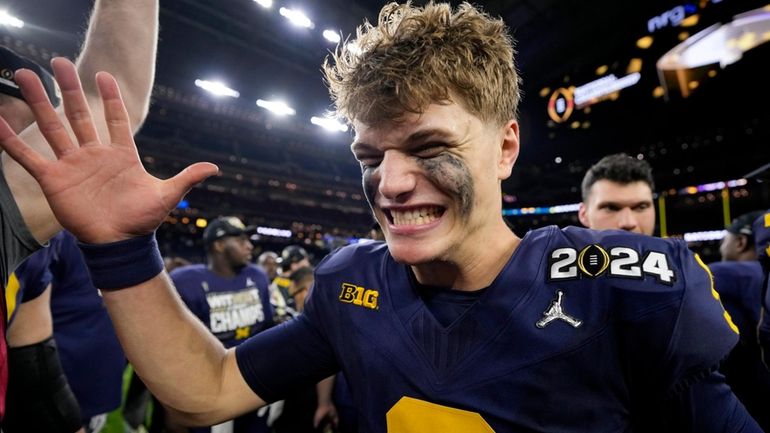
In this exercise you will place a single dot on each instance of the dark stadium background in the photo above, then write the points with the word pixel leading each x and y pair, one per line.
pixel 287 174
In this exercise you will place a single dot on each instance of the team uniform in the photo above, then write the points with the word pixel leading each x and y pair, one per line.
pixel 88 348
pixel 761 229
pixel 17 243
pixel 232 308
pixel 739 284
pixel 582 331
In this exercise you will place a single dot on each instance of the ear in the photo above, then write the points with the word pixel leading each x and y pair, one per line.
pixel 583 215
pixel 742 243
pixel 509 149
pixel 218 246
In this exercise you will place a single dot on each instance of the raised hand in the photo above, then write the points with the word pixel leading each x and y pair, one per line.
pixel 98 191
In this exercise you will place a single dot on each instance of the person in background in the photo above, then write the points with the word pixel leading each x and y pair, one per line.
pixel 761 229
pixel 617 195
pixel 228 294
pixel 42 400
pixel 292 258
pixel 309 409
pixel 91 357
pixel 739 280
pixel 268 262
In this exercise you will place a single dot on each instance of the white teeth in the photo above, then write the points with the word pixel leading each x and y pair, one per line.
pixel 415 217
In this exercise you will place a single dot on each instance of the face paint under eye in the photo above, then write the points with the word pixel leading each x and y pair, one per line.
pixel 368 185
pixel 454 177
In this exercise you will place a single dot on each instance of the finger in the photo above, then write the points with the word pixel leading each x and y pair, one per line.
pixel 75 104
pixel 115 113
pixel 48 121
pixel 179 185
pixel 19 151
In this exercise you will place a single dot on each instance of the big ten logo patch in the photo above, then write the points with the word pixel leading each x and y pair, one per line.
pixel 357 295
pixel 229 311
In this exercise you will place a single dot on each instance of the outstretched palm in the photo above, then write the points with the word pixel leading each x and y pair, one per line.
pixel 99 192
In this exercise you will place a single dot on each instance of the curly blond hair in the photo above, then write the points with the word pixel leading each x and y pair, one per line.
pixel 416 56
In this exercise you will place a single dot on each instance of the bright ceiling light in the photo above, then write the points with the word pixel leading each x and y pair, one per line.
pixel 264 3
pixel 296 17
pixel 278 107
pixel 217 88
pixel 332 36
pixel 601 70
pixel 10 20
pixel 644 42
pixel 329 124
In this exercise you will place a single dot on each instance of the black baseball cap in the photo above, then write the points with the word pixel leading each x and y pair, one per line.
pixel 223 227
pixel 743 224
pixel 293 254
pixel 10 62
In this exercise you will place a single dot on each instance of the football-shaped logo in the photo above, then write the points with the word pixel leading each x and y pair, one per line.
pixel 593 260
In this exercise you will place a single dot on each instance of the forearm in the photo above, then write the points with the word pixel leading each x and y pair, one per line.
pixel 174 354
pixel 122 40
pixel 33 322
pixel 324 391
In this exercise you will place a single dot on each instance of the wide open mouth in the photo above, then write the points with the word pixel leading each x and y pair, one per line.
pixel 415 216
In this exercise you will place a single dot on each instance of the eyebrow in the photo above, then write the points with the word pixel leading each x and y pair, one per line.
pixel 622 204
pixel 413 138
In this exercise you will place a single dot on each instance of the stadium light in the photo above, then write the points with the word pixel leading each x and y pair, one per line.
pixel 264 3
pixel 329 124
pixel 296 17
pixel 332 36
pixel 217 88
pixel 10 20
pixel 278 107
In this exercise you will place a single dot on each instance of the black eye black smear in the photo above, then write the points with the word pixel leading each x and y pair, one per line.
pixel 369 187
pixel 454 177
pixel 447 171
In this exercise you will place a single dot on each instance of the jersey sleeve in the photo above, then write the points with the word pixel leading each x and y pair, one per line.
pixel 761 228
pixel 764 325
pixel 17 241
pixel 703 333
pixel 708 406
pixel 34 274
pixel 290 356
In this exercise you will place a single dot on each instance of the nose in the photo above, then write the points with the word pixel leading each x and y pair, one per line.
pixel 627 220
pixel 396 176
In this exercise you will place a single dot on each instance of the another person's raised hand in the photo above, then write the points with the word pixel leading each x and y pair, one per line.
pixel 98 191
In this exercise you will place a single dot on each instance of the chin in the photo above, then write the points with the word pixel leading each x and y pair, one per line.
pixel 413 253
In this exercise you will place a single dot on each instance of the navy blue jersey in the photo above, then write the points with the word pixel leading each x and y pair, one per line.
pixel 761 228
pixel 740 286
pixel 90 353
pixel 582 331
pixel 232 308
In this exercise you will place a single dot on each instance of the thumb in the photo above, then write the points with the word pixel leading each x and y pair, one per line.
pixel 179 185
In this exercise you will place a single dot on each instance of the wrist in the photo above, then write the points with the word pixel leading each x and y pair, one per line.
pixel 122 264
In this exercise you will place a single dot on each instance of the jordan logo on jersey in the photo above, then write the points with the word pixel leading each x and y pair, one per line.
pixel 556 312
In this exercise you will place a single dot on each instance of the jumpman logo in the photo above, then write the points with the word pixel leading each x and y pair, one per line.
pixel 555 312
